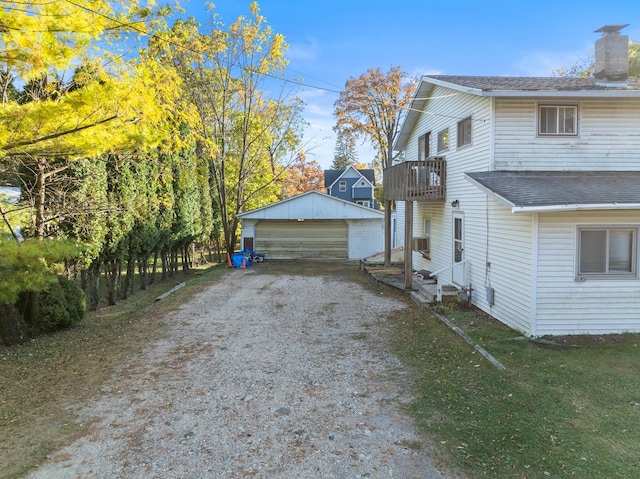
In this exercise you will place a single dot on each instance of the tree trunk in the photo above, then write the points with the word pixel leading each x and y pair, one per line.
pixel 40 197
pixel 152 278
pixel 165 264
pixel 142 270
pixel 112 271
pixel 32 310
pixel 92 287
pixel 186 260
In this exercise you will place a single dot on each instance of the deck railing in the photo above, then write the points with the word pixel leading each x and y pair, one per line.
pixel 424 180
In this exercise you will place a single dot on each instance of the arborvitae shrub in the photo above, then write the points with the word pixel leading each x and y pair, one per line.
pixel 61 306
pixel 13 329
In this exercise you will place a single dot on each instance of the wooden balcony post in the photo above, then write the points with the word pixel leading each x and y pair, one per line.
pixel 408 237
pixel 387 233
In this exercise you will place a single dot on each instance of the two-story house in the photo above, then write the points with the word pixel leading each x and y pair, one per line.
pixel 352 185
pixel 525 194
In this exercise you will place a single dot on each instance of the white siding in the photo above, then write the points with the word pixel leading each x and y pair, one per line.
pixel 509 245
pixel 608 139
pixel 566 306
pixel 531 256
pixel 505 240
pixel 366 237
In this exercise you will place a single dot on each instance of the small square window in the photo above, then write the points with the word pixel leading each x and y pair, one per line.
pixel 443 140
pixel 557 120
pixel 342 186
pixel 607 252
pixel 464 132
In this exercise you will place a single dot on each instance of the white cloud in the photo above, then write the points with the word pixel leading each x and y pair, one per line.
pixel 303 51
pixel 544 62
pixel 419 71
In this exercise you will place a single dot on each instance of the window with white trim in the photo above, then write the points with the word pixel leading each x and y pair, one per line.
pixel 557 120
pixel 364 203
pixel 464 132
pixel 609 252
pixel 342 186
pixel 443 140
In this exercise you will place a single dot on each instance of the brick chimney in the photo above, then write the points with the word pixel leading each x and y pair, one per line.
pixel 612 56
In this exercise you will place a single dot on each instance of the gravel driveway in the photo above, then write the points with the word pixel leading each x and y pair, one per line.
pixel 264 374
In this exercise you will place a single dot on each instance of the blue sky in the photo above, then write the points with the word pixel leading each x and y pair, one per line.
pixel 330 41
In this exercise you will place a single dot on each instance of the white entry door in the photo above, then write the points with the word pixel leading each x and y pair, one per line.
pixel 458 270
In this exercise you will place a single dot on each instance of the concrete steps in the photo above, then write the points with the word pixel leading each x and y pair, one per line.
pixel 426 291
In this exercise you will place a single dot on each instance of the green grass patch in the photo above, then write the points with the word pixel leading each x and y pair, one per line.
pixel 565 407
pixel 44 382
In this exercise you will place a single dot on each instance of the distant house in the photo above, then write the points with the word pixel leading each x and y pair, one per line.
pixel 524 193
pixel 313 225
pixel 351 185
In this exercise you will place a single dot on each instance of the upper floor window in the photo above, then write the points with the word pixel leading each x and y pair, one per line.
pixel 364 203
pixel 464 132
pixel 557 120
pixel 443 140
pixel 609 252
pixel 423 147
pixel 342 186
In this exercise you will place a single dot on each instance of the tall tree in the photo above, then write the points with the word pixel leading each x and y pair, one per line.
pixel 345 154
pixel 240 131
pixel 372 107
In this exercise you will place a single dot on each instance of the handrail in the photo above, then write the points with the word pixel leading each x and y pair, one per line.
pixel 448 267
pixel 436 273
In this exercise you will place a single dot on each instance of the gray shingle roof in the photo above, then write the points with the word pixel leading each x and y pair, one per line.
pixel 532 84
pixel 330 176
pixel 539 189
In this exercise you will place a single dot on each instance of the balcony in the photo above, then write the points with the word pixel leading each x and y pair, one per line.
pixel 416 180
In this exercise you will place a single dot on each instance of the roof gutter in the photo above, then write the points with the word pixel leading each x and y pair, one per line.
pixel 575 207
pixel 617 93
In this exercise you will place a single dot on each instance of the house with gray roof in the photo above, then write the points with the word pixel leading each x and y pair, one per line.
pixel 524 194
pixel 351 184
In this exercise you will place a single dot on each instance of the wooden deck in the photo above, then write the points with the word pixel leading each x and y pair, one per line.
pixel 416 180
pixel 424 290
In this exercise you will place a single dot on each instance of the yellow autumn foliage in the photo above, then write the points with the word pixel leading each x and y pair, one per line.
pixel 103 103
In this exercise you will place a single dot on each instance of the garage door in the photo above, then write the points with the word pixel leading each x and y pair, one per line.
pixel 302 239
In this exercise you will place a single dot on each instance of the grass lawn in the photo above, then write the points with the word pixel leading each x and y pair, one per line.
pixel 566 408
pixel 43 382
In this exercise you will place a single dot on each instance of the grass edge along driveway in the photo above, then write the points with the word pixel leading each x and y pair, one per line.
pixel 567 407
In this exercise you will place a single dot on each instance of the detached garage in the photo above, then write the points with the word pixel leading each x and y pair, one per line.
pixel 313 225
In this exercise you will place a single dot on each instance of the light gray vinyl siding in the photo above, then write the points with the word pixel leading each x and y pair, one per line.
pixel 567 306
pixel 608 136
pixel 509 244
pixel 500 244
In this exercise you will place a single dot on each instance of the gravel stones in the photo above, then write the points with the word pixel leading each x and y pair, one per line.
pixel 262 375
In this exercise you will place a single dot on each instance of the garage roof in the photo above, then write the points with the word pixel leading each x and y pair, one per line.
pixel 312 205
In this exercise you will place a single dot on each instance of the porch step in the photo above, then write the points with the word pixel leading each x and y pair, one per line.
pixel 419 298
pixel 428 290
